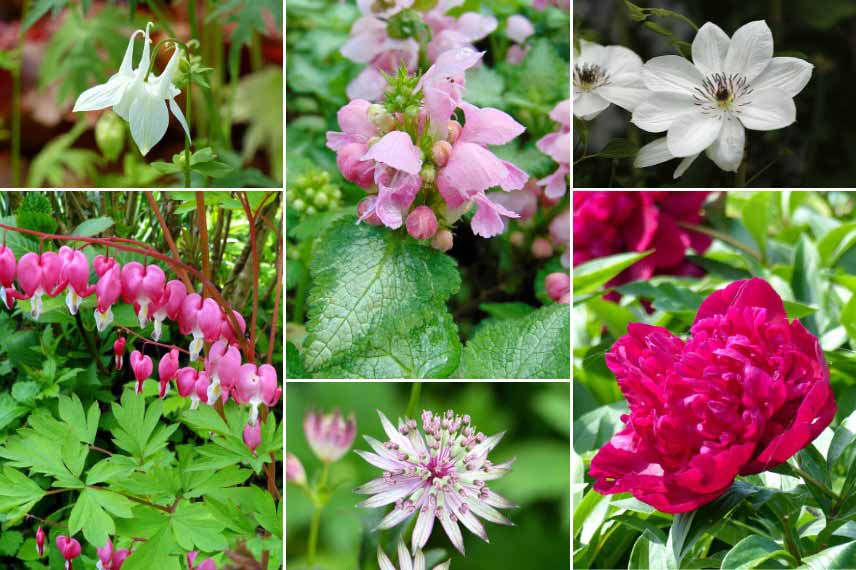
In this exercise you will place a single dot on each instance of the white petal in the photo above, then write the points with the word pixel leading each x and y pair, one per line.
pixel 709 49
pixel 589 105
pixel 394 518
pixel 102 96
pixel 444 566
pixel 653 153
pixel 620 60
pixel 692 133
pixel 750 51
pixel 127 67
pixel 684 165
pixel 727 151
pixel 419 560
pixel 404 560
pixel 422 530
pixel 383 560
pixel 767 110
pixel 176 110
pixel 149 120
pixel 658 112
pixel 591 54
pixel 453 531
pixel 625 96
pixel 671 73
pixel 790 74
pixel 145 59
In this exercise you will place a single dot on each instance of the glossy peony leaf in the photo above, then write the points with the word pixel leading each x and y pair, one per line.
pixel 591 276
pixel 366 281
pixel 535 346
pixel 841 556
pixel 752 552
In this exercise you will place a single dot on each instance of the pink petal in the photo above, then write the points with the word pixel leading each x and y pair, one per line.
pixel 488 221
pixel 488 126
pixel 472 168
pixel 396 149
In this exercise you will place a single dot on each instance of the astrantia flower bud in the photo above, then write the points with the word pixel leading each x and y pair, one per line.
pixel 142 367
pixel 558 286
pixel 542 248
pixel 367 205
pixel 69 548
pixel 421 223
pixel 294 471
pixel 745 392
pixel 119 352
pixel 40 542
pixel 329 435
pixel 443 241
pixel 440 153
pixel 167 369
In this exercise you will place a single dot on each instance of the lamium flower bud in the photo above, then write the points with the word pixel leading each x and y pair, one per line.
pixel 119 352
pixel 69 548
pixel 329 435
pixel 167 369
pixel 454 129
pixel 294 471
pixel 421 223
pixel 440 153
pixel 516 238
pixel 381 118
pixel 8 265
pixel 253 436
pixel 428 174
pixel 350 161
pixel 542 248
pixel 40 542
pixel 365 205
pixel 142 367
pixel 558 287
pixel 443 241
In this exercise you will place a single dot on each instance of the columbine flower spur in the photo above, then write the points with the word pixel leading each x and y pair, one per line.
pixel 440 475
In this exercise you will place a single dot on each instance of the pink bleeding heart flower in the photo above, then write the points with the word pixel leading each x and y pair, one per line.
pixel 119 352
pixel 167 369
pixel 557 145
pixel 223 365
pixel 119 558
pixel 201 318
pixel 208 564
pixel 329 435
pixel 8 265
pixel 109 558
pixel 253 437
pixel 558 286
pixel 142 285
pixel 107 289
pixel 193 384
pixel 38 275
pixel 40 542
pixel 74 277
pixel 142 367
pixel 257 386
pixel 742 394
pixel 69 548
pixel 168 306
pixel 443 85
pixel 227 333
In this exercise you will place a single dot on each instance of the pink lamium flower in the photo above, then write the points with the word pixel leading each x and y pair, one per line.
pixel 557 146
pixel 109 558
pixel 352 143
pixel 142 367
pixel 560 234
pixel 329 435
pixel 439 476
pixel 208 564
pixel 39 275
pixel 518 28
pixel 201 318
pixel 168 306
pixel 223 365
pixel 443 86
pixel 405 562
pixel 107 289
pixel 367 211
pixel 69 548
pixel 741 395
pixel 40 542
pixel 193 384
pixel 294 471
pixel 370 44
pixel 450 33
pixel 257 386
pixel 74 277
pixel 167 369
pixel 422 223
pixel 396 173
pixel 558 287
pixel 142 285
pixel 119 352
pixel 8 266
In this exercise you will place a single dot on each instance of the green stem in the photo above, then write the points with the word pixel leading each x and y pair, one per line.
pixel 188 101
pixel 302 285
pixel 315 525
pixel 415 392
pixel 16 107
pixel 723 237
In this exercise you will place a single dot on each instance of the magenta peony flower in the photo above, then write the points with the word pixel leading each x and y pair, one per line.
pixel 607 223
pixel 741 395
pixel 439 476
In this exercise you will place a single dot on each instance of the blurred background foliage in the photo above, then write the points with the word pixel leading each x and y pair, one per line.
pixel 536 418
pixel 804 244
pixel 53 50
pixel 816 151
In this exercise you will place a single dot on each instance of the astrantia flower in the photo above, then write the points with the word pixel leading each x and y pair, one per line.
pixel 329 435
pixel 741 395
pixel 405 562
pixel 604 75
pixel 706 105
pixel 440 475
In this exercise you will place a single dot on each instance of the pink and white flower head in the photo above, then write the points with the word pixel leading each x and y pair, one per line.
pixel 257 386
pixel 201 318
pixel 370 44
pixel 119 352
pixel 142 285
pixel 450 33
pixel 353 142
pixel 396 173
pixel 443 86
pixel 40 542
pixel 223 365
pixel 8 265
pixel 39 275
pixel 405 562
pixel 253 437
pixel 329 435
pixel 107 289
pixel 207 564
pixel 168 306
pixel 294 471
pixel 167 369
pixel 192 384
pixel 560 233
pixel 557 145
pixel 69 548
pixel 110 558
pixel 142 367
pixel 440 475
pixel 74 277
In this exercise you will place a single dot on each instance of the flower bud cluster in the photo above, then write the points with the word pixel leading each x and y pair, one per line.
pixel 312 193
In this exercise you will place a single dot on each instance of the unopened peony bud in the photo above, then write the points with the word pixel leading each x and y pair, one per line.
pixel 440 153
pixel 421 223
pixel 542 248
pixel 443 240
pixel 329 435
pixel 364 206
pixel 558 287
pixel 294 471
pixel 253 436
pixel 40 542
pixel 119 352
pixel 454 129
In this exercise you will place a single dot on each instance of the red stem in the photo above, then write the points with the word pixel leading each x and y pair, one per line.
pixel 147 340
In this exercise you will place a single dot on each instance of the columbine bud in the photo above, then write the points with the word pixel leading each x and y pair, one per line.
pixel 329 435
pixel 443 240
pixel 440 153
pixel 119 352
pixel 294 471
pixel 69 548
pixel 40 542
pixel 542 248
pixel 142 367
pixel 380 117
pixel 253 436
pixel 421 223
pixel 110 135
pixel 454 129
pixel 364 206
pixel 558 287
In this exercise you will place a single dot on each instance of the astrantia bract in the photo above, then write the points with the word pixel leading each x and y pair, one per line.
pixel 405 562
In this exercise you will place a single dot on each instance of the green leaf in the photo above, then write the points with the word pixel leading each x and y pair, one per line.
pixel 93 227
pixel 595 428
pixel 71 412
pixel 805 282
pixel 593 275
pixel 139 431
pixel 39 8
pixel 160 551
pixel 841 557
pixel 293 362
pixel 9 410
pixel 88 516
pixel 365 280
pixel 619 148
pixel 535 346
pixel 18 494
pixel 649 555
pixel 197 529
pixel 755 218
pixel 836 243
pixel 10 541
pixel 114 468
pixel 752 552
pixel 507 310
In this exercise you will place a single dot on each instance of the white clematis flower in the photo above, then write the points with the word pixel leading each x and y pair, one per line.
pixel 706 105
pixel 140 101
pixel 604 75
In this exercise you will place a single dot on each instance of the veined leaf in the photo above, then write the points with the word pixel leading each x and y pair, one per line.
pixel 593 275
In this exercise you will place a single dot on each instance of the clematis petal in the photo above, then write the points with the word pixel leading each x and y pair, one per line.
pixel 768 110
pixel 751 50
pixel 590 53
pixel 727 150
pixel 693 133
pixel 628 96
pixel 149 120
pixel 658 113
pixel 653 153
pixel 671 73
pixel 621 60
pixel 684 166
pixel 710 47
pixel 589 105
pixel 790 74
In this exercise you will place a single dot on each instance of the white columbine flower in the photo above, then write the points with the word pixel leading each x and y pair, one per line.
pixel 732 84
pixel 604 75
pixel 140 101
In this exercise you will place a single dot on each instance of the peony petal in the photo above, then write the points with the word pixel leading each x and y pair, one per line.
pixel 751 50
pixel 693 133
pixel 727 151
pixel 750 293
pixel 589 105
pixel 710 47
pixel 659 111
pixel 790 74
pixel 671 73
pixel 767 110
